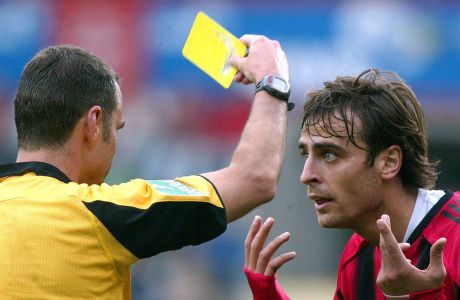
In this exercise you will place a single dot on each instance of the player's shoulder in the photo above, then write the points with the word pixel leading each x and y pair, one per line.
pixel 354 245
pixel 450 214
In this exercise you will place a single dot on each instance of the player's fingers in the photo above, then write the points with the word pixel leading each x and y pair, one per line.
pixel 258 242
pixel 277 262
pixel 436 262
pixel 387 220
pixel 389 246
pixel 255 226
pixel 404 246
pixel 386 234
pixel 267 252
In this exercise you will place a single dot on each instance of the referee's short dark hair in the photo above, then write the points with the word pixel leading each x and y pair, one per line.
pixel 57 87
pixel 389 114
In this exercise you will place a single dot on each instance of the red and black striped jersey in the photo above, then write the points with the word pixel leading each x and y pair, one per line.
pixel 360 261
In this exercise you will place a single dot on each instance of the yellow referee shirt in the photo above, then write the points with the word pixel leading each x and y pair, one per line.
pixel 64 240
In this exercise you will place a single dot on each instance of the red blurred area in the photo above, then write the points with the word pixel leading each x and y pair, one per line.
pixel 106 28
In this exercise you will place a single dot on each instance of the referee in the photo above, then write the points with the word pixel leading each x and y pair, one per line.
pixel 65 234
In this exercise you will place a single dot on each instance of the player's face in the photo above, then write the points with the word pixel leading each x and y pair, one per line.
pixel 344 190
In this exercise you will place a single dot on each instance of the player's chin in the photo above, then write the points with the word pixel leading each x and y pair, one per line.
pixel 327 221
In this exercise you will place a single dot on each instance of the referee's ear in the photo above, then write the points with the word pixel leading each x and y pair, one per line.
pixel 94 120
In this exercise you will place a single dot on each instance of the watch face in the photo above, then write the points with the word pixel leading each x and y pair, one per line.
pixel 279 84
pixel 275 86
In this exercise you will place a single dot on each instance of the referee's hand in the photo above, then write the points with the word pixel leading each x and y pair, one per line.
pixel 265 57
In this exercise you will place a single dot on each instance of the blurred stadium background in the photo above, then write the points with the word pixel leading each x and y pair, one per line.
pixel 180 122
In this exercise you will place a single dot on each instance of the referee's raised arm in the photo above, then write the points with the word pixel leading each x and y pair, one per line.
pixel 254 170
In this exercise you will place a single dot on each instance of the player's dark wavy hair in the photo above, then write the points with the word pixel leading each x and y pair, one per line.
pixel 390 115
pixel 57 87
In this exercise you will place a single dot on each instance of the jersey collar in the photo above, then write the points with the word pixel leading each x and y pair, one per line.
pixel 429 216
pixel 39 168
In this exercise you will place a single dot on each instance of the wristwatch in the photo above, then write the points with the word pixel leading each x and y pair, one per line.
pixel 276 86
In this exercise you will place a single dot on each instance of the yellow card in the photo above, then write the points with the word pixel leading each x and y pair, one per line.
pixel 209 46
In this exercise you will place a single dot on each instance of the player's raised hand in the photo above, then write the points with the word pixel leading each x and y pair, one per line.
pixel 397 275
pixel 258 258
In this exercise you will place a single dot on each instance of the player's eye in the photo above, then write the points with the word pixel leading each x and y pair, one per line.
pixel 304 153
pixel 330 156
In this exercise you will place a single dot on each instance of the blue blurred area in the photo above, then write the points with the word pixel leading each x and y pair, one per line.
pixel 422 43
pixel 180 122
pixel 23 30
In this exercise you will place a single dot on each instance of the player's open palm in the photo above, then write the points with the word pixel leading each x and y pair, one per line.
pixel 258 258
pixel 397 275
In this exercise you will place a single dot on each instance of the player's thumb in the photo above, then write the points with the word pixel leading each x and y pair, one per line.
pixel 436 261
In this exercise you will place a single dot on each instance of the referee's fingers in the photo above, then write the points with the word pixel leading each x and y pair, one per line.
pixel 238 77
pixel 248 38
pixel 237 61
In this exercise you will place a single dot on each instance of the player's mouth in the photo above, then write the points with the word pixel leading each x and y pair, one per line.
pixel 321 203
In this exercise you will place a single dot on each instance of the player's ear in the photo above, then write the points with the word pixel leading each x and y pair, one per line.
pixel 94 120
pixel 389 162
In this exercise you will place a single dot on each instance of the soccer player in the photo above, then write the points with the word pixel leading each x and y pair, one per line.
pixel 366 160
pixel 65 234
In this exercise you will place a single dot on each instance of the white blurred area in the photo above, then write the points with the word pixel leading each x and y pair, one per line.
pixel 180 122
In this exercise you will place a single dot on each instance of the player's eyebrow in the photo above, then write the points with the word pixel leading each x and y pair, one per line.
pixel 322 145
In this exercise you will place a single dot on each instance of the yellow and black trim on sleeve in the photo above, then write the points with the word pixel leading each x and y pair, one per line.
pixel 145 217
pixel 152 216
